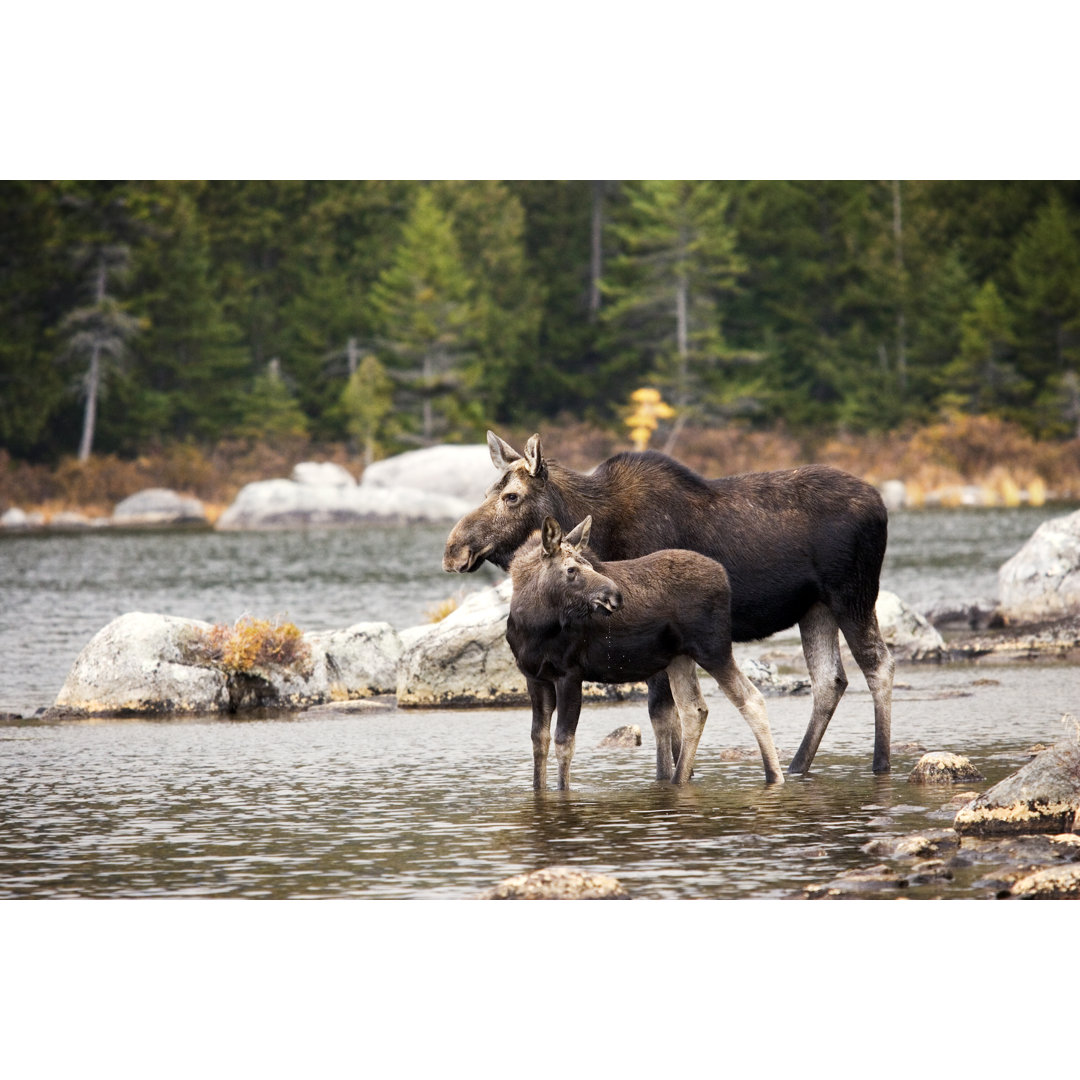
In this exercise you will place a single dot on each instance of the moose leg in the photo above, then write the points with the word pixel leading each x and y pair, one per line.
pixel 665 725
pixel 568 692
pixel 542 696
pixel 821 647
pixel 876 661
pixel 692 710
pixel 746 697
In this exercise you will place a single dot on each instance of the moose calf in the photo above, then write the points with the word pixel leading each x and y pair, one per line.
pixel 574 618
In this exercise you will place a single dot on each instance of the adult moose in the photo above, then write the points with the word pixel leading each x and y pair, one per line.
pixel 799 545
pixel 573 617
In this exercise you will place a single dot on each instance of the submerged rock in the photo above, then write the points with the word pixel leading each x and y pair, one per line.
pixel 1042 797
pixel 627 735
pixel 1052 883
pixel 1042 580
pixel 767 678
pixel 152 665
pixel 943 768
pixel 159 506
pixel 558 883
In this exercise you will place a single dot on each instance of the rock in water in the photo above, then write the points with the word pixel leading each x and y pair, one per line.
pixel 905 631
pixel 464 472
pixel 159 506
pixel 1052 883
pixel 1042 580
pixel 558 883
pixel 943 768
pixel 153 665
pixel 1041 797
pixel 628 735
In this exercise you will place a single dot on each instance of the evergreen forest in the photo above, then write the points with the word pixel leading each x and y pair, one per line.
pixel 394 314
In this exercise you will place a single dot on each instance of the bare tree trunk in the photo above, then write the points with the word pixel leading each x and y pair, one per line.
pixel 901 316
pixel 596 266
pixel 429 419
pixel 682 340
pixel 93 379
pixel 350 355
pixel 93 375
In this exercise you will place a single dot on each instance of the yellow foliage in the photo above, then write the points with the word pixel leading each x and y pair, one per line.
pixel 254 643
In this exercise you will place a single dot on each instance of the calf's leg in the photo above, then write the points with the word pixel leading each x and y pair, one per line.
pixel 821 647
pixel 692 710
pixel 542 696
pixel 665 724
pixel 568 693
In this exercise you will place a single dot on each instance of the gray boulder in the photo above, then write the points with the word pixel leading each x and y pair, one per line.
pixel 944 768
pixel 1041 797
pixel 1042 580
pixel 158 506
pixel 285 504
pixel 149 664
pixel 463 659
pixel 905 631
pixel 625 736
pixel 767 678
pixel 323 474
pixel 465 472
pixel 558 883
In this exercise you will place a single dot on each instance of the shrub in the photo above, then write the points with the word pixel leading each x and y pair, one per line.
pixel 253 643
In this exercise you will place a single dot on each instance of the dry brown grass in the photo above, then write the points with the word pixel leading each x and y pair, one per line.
pixel 959 450
pixel 253 643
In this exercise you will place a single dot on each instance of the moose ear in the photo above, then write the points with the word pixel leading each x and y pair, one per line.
pixel 534 458
pixel 503 455
pixel 578 537
pixel 551 536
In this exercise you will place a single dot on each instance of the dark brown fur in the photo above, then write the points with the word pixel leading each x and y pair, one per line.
pixel 801 545
pixel 574 618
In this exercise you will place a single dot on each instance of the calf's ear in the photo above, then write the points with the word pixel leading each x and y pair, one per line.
pixel 551 536
pixel 503 455
pixel 578 536
pixel 534 457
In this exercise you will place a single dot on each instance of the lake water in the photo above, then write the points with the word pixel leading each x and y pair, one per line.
pixel 438 804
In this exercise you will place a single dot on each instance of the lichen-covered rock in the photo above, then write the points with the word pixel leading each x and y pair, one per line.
pixel 464 472
pixel 1042 580
pixel 153 665
pixel 158 506
pixel 943 768
pixel 285 504
pixel 905 631
pixel 558 883
pixel 627 735
pixel 141 663
pixel 1041 797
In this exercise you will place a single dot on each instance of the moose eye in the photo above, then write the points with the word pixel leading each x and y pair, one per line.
pixel 511 498
pixel 571 571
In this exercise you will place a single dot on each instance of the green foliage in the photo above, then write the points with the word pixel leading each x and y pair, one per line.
pixel 823 306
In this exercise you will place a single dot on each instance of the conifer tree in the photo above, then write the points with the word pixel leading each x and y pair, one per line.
pixel 427 323
pixel 675 262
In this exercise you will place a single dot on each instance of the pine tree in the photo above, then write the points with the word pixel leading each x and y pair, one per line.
pixel 675 262
pixel 427 321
